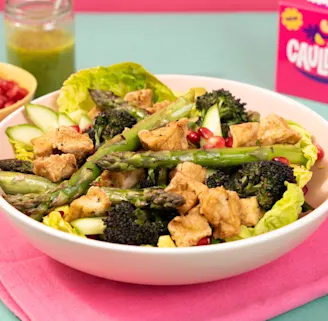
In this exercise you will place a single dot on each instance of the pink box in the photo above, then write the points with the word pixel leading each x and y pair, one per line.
pixel 302 63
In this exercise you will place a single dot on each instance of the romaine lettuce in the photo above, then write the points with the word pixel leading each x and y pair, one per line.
pixel 309 149
pixel 120 78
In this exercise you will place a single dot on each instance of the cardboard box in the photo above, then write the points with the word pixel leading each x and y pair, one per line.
pixel 302 60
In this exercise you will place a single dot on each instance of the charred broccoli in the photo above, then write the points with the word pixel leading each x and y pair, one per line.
pixel 231 110
pixel 108 124
pixel 264 179
pixel 127 225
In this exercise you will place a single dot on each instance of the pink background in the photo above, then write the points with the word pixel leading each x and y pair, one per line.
pixel 171 5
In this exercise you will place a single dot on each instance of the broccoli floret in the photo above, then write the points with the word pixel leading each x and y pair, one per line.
pixel 127 225
pixel 108 124
pixel 219 178
pixel 264 179
pixel 232 110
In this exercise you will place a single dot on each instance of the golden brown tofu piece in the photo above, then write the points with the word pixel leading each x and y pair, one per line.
pixel 171 137
pixel 141 98
pixel 191 171
pixel 95 203
pixel 190 189
pixel 245 134
pixel 222 210
pixel 123 180
pixel 69 141
pixel 55 167
pixel 188 230
pixel 42 146
pixel 158 106
pixel 250 211
pixel 274 130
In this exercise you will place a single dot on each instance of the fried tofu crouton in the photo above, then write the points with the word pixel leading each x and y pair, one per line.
pixel 191 170
pixel 43 145
pixel 250 211
pixel 124 180
pixel 191 190
pixel 222 210
pixel 171 137
pixel 274 130
pixel 95 203
pixel 188 230
pixel 141 98
pixel 69 141
pixel 245 134
pixel 55 167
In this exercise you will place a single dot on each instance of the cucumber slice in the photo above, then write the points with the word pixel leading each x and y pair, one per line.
pixel 77 115
pixel 65 120
pixel 212 122
pixel 89 225
pixel 23 133
pixel 43 117
pixel 85 122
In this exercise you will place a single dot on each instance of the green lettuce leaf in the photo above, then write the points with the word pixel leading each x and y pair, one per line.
pixel 309 149
pixel 120 78
pixel 303 176
pixel 283 212
pixel 56 221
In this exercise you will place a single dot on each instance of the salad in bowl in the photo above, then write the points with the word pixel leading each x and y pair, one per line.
pixel 124 159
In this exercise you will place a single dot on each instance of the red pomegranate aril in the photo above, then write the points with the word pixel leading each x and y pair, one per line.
pixel 21 93
pixel 12 92
pixel 8 103
pixel 281 160
pixel 61 213
pixel 193 137
pixel 321 152
pixel 204 241
pixel 76 127
pixel 228 142
pixel 205 132
pixel 305 190
pixel 215 142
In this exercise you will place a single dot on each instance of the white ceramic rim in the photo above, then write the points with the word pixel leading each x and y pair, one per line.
pixel 291 228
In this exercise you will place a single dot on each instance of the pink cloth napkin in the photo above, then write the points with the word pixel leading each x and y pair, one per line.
pixel 37 288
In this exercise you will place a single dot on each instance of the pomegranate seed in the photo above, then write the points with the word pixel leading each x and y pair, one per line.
pixel 205 132
pixel 93 237
pixel 282 160
pixel 321 152
pixel 228 142
pixel 8 103
pixel 61 213
pixel 76 127
pixel 194 137
pixel 305 190
pixel 204 241
pixel 21 93
pixel 215 142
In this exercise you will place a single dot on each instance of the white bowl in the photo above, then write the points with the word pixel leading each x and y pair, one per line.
pixel 174 266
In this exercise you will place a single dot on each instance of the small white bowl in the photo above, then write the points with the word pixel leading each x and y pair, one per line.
pixel 24 79
pixel 174 266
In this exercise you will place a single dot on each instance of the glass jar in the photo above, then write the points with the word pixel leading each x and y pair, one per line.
pixel 40 39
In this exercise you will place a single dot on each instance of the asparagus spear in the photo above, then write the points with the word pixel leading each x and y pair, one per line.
pixel 148 197
pixel 38 205
pixel 212 158
pixel 105 99
pixel 13 183
pixel 16 165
